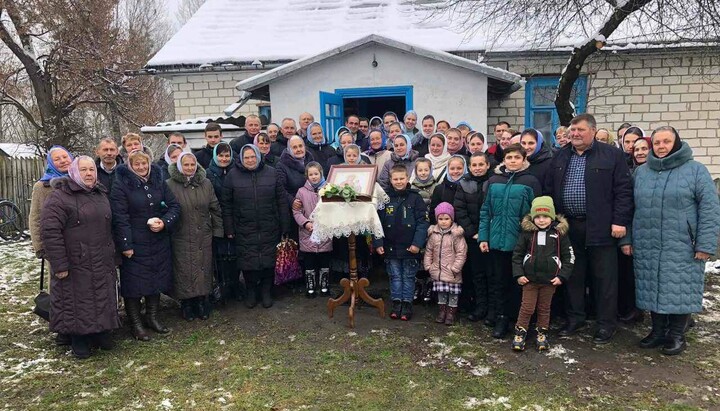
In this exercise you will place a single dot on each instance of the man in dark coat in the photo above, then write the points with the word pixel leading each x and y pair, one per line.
pixel 288 129
pixel 213 136
pixel 252 128
pixel 108 158
pixel 591 184
pixel 353 124
pixel 255 213
pixel 77 235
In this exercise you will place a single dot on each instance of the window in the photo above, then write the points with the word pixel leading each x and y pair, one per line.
pixel 540 110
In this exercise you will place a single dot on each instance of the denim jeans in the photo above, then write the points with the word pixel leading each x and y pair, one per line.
pixel 402 277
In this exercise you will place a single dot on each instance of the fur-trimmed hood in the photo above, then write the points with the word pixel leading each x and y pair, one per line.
pixel 500 168
pixel 70 186
pixel 560 224
pixel 455 230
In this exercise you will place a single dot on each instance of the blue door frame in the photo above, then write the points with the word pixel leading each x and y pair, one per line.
pixel 331 104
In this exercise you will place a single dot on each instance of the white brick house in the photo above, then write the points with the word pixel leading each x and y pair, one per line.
pixel 643 84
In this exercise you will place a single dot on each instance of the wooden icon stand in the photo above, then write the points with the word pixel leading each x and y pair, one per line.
pixel 354 288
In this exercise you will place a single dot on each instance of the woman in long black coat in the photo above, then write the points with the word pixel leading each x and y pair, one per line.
pixel 255 213
pixel 144 211
pixel 76 232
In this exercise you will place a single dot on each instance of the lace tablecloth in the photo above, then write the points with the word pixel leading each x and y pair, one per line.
pixel 341 219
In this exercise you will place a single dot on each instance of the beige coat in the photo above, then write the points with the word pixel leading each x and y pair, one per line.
pixel 445 254
pixel 40 193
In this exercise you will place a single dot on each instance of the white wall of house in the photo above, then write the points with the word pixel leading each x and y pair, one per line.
pixel 447 92
pixel 208 94
pixel 646 89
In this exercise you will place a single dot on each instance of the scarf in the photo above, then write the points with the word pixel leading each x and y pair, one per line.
pixel 409 145
pixel 465 169
pixel 300 161
pixel 357 148
pixel 168 160
pixel 179 166
pixel 677 145
pixel 75 176
pixel 215 154
pixel 146 177
pixel 316 186
pixel 257 154
pixel 51 171
pixel 439 162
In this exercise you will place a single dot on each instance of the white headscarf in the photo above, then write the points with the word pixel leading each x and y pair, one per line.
pixel 439 162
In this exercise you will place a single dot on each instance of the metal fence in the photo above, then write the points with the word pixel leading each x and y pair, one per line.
pixel 17 176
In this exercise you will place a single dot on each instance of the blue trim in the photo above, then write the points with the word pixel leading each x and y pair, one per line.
pixel 385 91
pixel 333 121
pixel 530 108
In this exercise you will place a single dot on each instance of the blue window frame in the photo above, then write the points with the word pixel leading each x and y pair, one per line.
pixel 386 91
pixel 540 110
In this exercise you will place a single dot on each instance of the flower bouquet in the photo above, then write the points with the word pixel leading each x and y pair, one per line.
pixel 335 193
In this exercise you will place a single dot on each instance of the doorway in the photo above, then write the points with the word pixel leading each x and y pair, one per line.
pixel 370 107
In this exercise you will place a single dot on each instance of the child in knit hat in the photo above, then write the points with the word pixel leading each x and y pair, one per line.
pixel 445 255
pixel 543 259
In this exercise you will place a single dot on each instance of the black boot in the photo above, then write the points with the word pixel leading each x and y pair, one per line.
pixel 675 342
pixel 396 309
pixel 80 346
pixel 427 291
pixel 132 308
pixel 658 334
pixel 501 327
pixel 152 306
pixel 310 284
pixel 406 311
pixel 478 313
pixel 186 308
pixel 266 284
pixel 104 340
pixel 325 281
pixel 63 339
pixel 202 306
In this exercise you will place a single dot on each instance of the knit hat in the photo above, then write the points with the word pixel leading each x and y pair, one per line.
pixel 543 206
pixel 445 208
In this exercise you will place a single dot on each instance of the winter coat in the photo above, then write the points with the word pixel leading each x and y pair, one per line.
pixel 468 200
pixel 608 188
pixel 270 159
pixel 539 262
pixel 200 220
pixel 40 193
pixel 361 140
pixel 133 202
pixel 379 158
pixel 409 163
pixel 291 174
pixel 238 142
pixel 405 223
pixel 205 155
pixel 444 192
pixel 508 196
pixel 540 162
pixel 445 254
pixel 76 231
pixel 425 189
pixel 309 198
pixel 279 145
pixel 164 168
pixel 421 144
pixel 216 175
pixel 256 212
pixel 676 215
pixel 320 153
pixel 105 178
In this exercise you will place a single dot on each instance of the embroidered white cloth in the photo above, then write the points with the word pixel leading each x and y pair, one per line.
pixel 341 219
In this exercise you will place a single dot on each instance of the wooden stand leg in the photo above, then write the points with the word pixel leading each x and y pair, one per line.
pixel 354 289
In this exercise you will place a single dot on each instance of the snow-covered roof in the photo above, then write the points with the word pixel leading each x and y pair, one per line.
pixel 19 150
pixel 195 124
pixel 263 79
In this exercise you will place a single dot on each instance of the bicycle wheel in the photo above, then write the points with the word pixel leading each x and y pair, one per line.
pixel 11 224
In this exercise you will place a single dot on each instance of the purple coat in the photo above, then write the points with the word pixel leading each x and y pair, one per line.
pixel 309 198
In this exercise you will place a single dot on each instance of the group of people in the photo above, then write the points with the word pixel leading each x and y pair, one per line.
pixel 619 230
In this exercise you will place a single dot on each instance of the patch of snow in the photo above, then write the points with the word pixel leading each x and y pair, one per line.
pixel 479 371
pixel 473 403
pixel 558 351
pixel 166 404
pixel 712 267
pixel 291 338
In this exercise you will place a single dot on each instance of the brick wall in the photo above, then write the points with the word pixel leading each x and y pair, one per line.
pixel 200 95
pixel 648 90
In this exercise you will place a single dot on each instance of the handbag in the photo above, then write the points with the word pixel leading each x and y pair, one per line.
pixel 287 267
pixel 42 300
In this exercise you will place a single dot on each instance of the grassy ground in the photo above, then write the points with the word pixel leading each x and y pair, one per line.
pixel 292 357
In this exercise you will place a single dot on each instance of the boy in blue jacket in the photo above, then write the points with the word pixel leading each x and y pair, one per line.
pixel 405 224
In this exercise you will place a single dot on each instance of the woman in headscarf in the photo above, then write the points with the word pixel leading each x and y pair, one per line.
pixel 538 153
pixel 345 140
pixel 144 211
pixel 200 220
pixel 76 231
pixel 377 153
pixel 256 214
pixel 223 247
pixel 438 155
pixel 402 154
pixel 476 143
pixel 674 232
pixel 317 145
pixel 272 131
pixel 172 152
pixel 627 141
pixel 410 121
pixel 641 150
pixel 262 142
pixel 444 192
pixel 58 164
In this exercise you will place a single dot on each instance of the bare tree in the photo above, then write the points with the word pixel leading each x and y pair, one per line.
pixel 66 63
pixel 586 25
pixel 186 9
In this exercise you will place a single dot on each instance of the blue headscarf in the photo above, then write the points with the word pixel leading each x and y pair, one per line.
pixel 338 132
pixel 409 145
pixel 540 141
pixel 465 169
pixel 464 123
pixel 215 156
pixel 322 174
pixel 51 171
pixel 257 153
pixel 309 137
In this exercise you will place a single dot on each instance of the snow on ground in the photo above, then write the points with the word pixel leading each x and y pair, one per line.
pixel 18 265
